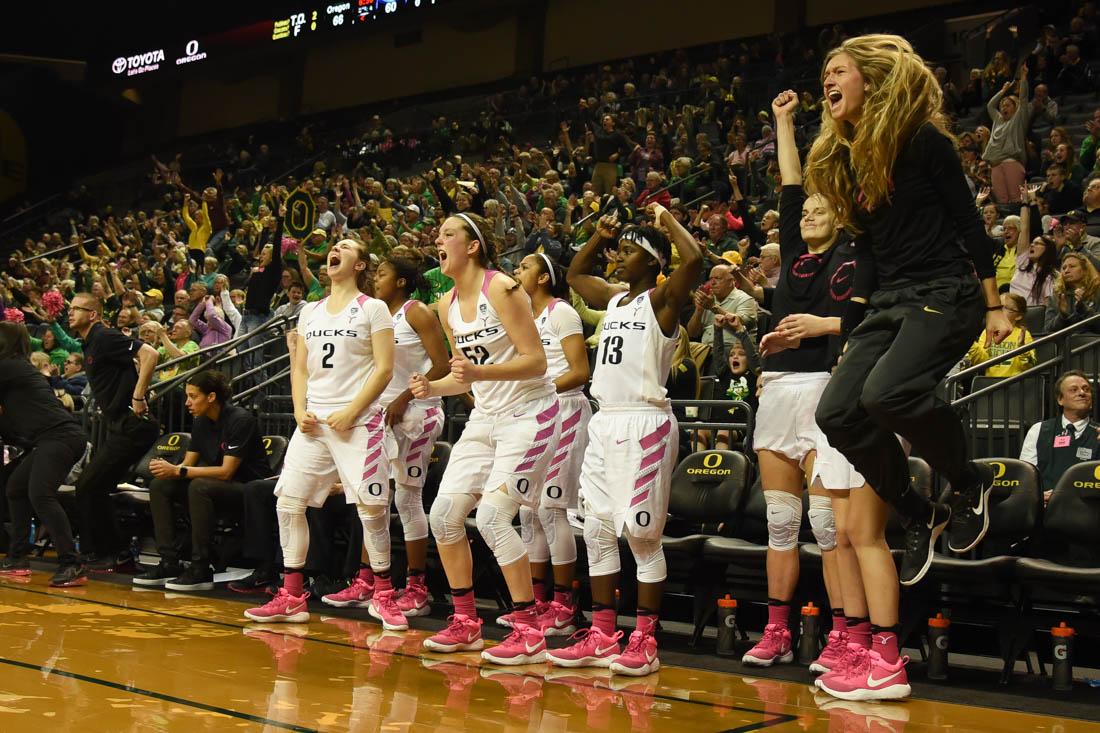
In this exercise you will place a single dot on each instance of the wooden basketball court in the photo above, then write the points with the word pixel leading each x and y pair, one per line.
pixel 107 658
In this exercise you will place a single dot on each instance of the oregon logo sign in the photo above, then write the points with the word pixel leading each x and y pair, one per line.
pixel 1090 484
pixel 711 466
pixel 999 470
pixel 171 445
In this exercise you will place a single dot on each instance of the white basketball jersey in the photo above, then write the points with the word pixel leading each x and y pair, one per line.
pixel 634 356
pixel 484 341
pixel 409 357
pixel 339 352
pixel 555 323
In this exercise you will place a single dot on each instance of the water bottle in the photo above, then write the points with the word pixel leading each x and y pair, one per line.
pixel 808 649
pixel 135 549
pixel 938 633
pixel 1061 643
pixel 727 626
pixel 34 531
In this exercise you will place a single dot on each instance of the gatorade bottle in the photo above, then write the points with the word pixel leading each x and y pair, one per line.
pixel 938 633
pixel 1061 642
pixel 727 626
pixel 808 649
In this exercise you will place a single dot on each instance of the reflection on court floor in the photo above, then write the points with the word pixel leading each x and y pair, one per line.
pixel 106 658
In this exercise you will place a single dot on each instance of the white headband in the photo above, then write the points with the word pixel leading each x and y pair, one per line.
pixel 635 237
pixel 549 269
pixel 477 231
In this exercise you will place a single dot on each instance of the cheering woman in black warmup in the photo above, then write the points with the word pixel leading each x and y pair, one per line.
pixel 34 419
pixel 886 162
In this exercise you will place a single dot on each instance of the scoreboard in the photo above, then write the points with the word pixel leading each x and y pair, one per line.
pixel 319 21
pixel 339 16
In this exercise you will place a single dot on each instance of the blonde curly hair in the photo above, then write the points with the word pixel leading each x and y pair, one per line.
pixel 849 161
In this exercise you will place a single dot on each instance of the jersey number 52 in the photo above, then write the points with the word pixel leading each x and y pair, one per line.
pixel 476 354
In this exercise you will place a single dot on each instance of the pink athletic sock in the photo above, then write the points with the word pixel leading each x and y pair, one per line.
pixel 565 598
pixel 604 620
pixel 525 614
pixel 885 642
pixel 538 587
pixel 293 582
pixel 779 613
pixel 366 574
pixel 859 632
pixel 464 602
pixel 382 583
pixel 840 623
pixel 647 622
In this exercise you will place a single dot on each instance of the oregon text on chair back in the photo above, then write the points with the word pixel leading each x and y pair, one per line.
pixel 1015 505
pixel 1071 524
pixel 275 448
pixel 708 486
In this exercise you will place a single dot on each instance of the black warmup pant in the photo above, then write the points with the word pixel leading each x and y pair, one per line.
pixel 32 489
pixel 886 381
pixel 324 524
pixel 202 496
pixel 124 442
pixel 261 525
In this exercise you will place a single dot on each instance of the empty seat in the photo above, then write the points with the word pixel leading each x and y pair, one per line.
pixel 1036 319
pixel 1069 549
pixel 999 419
pixel 275 448
pixel 706 490
pixel 1088 359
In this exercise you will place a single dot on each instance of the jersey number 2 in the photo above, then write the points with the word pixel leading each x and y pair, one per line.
pixel 612 350
pixel 327 352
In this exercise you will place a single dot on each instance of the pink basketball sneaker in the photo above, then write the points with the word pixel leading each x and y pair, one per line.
pixel 282 608
pixel 356 595
pixel 835 649
pixel 557 620
pixel 592 648
pixel 639 658
pixel 525 645
pixel 413 599
pixel 867 676
pixel 383 607
pixel 463 634
pixel 774 646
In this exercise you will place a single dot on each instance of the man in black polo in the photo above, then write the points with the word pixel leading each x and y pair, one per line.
pixel 225 453
pixel 1054 445
pixel 118 387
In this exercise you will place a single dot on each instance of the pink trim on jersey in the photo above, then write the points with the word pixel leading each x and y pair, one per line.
pixel 488 279
pixel 406 305
pixel 571 421
pixel 362 299
pixel 544 433
pixel 550 306
pixel 658 440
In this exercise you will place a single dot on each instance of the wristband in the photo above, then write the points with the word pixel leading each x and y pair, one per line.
pixel 183 471
pixel 138 399
pixel 991 308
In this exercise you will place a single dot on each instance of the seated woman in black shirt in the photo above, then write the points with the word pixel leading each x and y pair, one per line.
pixel 32 418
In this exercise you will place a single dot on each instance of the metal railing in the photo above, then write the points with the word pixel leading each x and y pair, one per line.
pixel 998 411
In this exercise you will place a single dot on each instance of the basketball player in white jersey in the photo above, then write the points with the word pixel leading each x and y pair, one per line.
pixel 546 532
pixel 633 439
pixel 504 454
pixel 414 425
pixel 342 364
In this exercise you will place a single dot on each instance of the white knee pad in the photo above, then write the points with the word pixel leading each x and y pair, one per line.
pixel 649 555
pixel 376 534
pixel 603 546
pixel 784 519
pixel 823 522
pixel 494 521
pixel 533 536
pixel 559 535
pixel 410 507
pixel 448 517
pixel 293 530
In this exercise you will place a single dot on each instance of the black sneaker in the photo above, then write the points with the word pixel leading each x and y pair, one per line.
pixel 920 543
pixel 157 576
pixel 121 563
pixel 322 585
pixel 68 576
pixel 259 582
pixel 970 512
pixel 15 567
pixel 197 576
